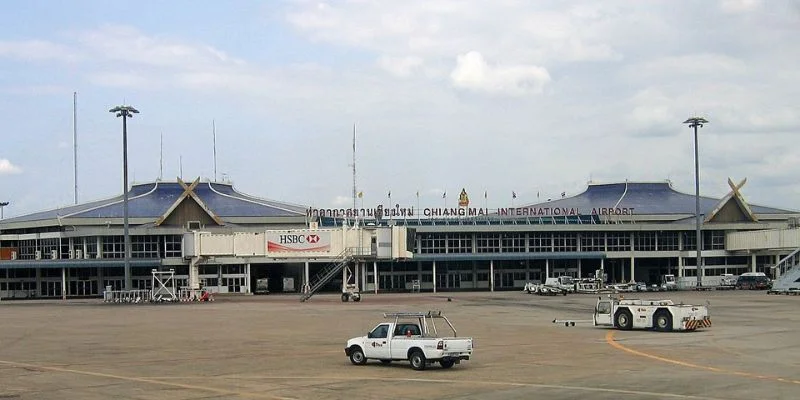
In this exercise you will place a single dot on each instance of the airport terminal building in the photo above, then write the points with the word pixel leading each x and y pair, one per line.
pixel 631 230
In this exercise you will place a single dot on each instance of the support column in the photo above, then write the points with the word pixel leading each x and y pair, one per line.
pixel 63 283
pixel 375 275
pixel 753 262
pixel 247 281
pixel 434 277
pixel 306 278
pixel 194 273
pixel 38 282
pixel 633 264
pixel 579 268
pixel 602 270
pixel 546 270
pixel 357 271
pixel 491 275
pixel 363 276
pixel 681 268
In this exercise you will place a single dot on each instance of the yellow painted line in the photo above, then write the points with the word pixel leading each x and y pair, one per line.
pixel 613 342
pixel 145 380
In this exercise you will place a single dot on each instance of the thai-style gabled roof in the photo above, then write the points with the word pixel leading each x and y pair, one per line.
pixel 645 198
pixel 155 200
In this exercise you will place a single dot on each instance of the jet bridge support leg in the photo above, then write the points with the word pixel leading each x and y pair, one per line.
pixel 194 274
pixel 306 286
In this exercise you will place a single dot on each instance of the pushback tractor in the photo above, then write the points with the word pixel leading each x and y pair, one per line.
pixel 659 315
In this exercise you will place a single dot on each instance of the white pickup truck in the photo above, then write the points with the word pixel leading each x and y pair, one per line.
pixel 410 336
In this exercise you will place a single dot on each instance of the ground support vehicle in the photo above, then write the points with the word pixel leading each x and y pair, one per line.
pixel 262 286
pixel 753 281
pixel 543 290
pixel 552 286
pixel 727 282
pixel 660 315
pixel 668 282
pixel 351 292
pixel 410 336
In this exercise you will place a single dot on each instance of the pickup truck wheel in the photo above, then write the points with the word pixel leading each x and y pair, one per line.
pixel 447 363
pixel 417 360
pixel 357 356
pixel 345 297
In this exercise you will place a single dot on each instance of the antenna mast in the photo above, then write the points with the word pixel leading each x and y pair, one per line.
pixel 214 128
pixel 354 167
pixel 161 159
pixel 75 139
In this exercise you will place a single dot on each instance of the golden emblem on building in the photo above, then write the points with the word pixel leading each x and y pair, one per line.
pixel 463 199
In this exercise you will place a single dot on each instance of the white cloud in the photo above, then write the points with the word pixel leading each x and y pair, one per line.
pixel 400 66
pixel 474 73
pixel 739 6
pixel 7 168
pixel 37 50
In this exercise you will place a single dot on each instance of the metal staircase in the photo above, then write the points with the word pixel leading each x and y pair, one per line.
pixel 788 272
pixel 327 273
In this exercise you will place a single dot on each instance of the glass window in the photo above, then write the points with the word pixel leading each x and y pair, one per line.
pixel 380 332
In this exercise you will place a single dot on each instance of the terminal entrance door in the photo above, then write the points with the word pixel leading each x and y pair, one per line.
pixel 83 288
pixel 51 289
pixel 448 280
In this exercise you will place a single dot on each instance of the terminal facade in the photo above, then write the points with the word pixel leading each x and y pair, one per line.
pixel 633 231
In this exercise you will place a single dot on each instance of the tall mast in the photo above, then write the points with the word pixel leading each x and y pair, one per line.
pixel 354 167
pixel 214 128
pixel 161 159
pixel 75 140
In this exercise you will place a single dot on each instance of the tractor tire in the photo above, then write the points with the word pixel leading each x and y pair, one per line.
pixel 623 320
pixel 662 321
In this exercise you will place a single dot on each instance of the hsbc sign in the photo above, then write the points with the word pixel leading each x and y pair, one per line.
pixel 311 242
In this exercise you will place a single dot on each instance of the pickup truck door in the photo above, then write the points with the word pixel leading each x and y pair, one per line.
pixel 378 342
pixel 602 313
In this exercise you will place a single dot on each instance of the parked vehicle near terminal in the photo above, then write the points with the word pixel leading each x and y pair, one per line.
pixel 753 281
pixel 410 336
pixel 659 315
pixel 262 286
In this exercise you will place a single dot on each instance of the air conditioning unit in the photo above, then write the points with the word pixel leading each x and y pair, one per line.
pixel 79 254
pixel 13 255
pixel 71 254
pixel 193 225
pixel 38 255
pixel 54 254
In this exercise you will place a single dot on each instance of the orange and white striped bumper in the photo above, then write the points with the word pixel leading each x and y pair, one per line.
pixel 693 324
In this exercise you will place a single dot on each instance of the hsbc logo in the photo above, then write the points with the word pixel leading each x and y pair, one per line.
pixel 298 239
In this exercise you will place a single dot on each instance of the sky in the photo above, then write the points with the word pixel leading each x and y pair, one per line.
pixel 510 96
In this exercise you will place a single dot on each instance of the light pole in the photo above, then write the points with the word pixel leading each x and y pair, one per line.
pixel 696 122
pixel 2 205
pixel 125 112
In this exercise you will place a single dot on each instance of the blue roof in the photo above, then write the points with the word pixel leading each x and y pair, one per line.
pixel 652 198
pixel 152 200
